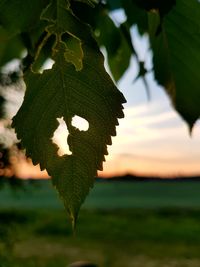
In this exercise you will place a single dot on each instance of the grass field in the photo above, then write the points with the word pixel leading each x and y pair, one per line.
pixel 121 224
pixel 110 195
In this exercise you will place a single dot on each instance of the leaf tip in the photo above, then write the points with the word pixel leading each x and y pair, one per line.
pixel 190 124
pixel 190 129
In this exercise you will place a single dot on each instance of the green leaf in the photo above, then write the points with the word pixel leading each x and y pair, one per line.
pixel 114 4
pixel 68 29
pixel 120 60
pixel 73 51
pixel 176 57
pixel 64 92
pixel 18 16
pixel 9 47
pixel 88 2
pixel 113 38
pixel 136 15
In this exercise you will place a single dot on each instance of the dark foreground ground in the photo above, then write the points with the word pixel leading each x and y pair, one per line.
pixel 121 224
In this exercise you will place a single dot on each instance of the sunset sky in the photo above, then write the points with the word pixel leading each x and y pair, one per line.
pixel 152 139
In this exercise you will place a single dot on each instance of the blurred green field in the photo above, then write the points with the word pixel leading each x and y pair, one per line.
pixel 121 224
pixel 110 195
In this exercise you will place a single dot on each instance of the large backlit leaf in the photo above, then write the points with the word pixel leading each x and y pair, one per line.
pixel 65 92
pixel 176 49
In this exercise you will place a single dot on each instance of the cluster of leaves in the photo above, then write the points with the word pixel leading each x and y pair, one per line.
pixel 70 32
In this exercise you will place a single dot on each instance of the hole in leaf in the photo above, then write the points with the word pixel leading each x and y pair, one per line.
pixel 80 123
pixel 48 64
pixel 60 138
pixel 44 59
pixel 73 51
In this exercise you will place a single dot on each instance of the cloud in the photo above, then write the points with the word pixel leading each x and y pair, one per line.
pixel 144 124
pixel 152 138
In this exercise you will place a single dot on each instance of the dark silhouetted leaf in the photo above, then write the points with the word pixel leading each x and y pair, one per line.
pixel 65 92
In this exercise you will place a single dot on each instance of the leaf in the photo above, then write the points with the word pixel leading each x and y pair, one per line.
pixel 114 40
pixel 68 29
pixel 108 35
pixel 9 47
pixel 176 56
pixel 114 4
pixel 18 16
pixel 73 51
pixel 136 15
pixel 88 2
pixel 64 92
pixel 163 7
pixel 120 60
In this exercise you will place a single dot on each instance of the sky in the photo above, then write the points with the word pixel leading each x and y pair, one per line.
pixel 151 140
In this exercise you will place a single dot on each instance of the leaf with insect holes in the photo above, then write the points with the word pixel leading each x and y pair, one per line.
pixel 67 29
pixel 76 85
pixel 64 92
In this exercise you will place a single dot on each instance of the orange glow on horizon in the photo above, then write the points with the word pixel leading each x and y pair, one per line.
pixel 25 169
pixel 118 166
